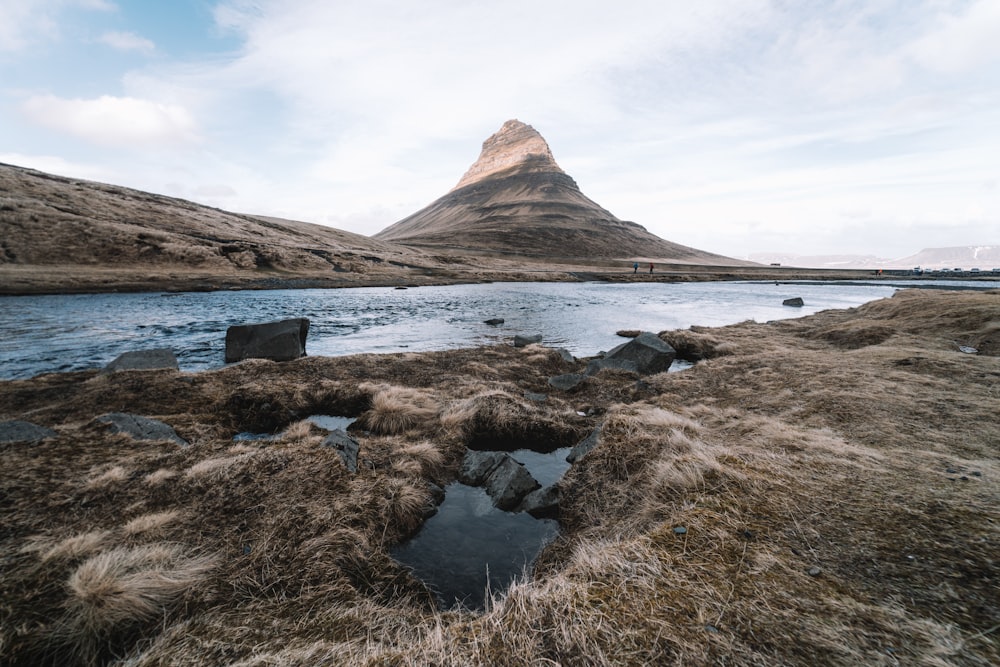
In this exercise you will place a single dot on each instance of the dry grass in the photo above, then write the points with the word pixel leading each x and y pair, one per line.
pixel 395 410
pixel 872 465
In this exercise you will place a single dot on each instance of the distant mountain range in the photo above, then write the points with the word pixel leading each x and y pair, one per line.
pixel 963 257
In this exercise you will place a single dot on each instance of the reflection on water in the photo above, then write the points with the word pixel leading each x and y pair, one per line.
pixel 470 547
pixel 41 334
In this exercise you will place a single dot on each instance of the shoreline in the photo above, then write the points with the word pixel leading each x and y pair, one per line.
pixel 64 280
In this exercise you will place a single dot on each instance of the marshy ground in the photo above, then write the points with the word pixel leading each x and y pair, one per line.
pixel 836 477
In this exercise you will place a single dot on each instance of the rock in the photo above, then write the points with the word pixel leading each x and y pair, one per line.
pixel 346 446
pixel 477 466
pixel 141 428
pixel 542 503
pixel 584 445
pixel 680 530
pixel 17 431
pixel 538 398
pixel 494 322
pixel 566 355
pixel 647 351
pixel 143 360
pixel 525 341
pixel 628 333
pixel 437 497
pixel 279 341
pixel 594 366
pixel 797 302
pixel 567 381
pixel 814 572
pixel 509 483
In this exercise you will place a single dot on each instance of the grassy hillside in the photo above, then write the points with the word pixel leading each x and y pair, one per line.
pixel 837 478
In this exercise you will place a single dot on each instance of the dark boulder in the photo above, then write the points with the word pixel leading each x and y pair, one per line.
pixel 525 341
pixel 279 341
pixel 494 321
pixel 594 366
pixel 509 483
pixel 18 431
pixel 143 360
pixel 140 428
pixel 346 446
pixel 796 302
pixel 648 353
pixel 566 355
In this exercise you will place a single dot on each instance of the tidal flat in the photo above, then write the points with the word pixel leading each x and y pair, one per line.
pixel 820 490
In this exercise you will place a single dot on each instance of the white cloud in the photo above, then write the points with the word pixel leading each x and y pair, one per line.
pixel 23 22
pixel 118 121
pixel 55 164
pixel 127 41
pixel 959 42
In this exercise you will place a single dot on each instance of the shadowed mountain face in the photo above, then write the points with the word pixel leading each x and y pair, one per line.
pixel 515 199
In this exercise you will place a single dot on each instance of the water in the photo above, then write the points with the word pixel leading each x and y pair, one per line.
pixel 40 334
pixel 470 547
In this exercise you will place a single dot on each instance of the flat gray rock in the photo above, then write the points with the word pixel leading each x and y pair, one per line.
pixel 584 445
pixel 346 446
pixel 143 360
pixel 796 302
pixel 524 341
pixel 21 431
pixel 566 355
pixel 567 381
pixel 141 428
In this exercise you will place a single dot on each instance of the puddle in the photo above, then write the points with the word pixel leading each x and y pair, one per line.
pixel 470 545
pixel 332 423
pixel 547 468
pixel 329 422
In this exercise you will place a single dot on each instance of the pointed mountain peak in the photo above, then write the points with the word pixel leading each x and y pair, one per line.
pixel 514 146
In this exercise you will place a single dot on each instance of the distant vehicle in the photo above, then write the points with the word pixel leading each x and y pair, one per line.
pixel 973 270
pixel 945 270
pixel 775 263
pixel 995 272
pixel 958 270
pixel 917 271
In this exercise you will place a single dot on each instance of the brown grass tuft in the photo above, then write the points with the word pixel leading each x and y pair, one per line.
pixel 77 546
pixel 115 591
pixel 395 410
pixel 151 523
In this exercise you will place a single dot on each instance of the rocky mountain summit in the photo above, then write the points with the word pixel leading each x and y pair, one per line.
pixel 515 199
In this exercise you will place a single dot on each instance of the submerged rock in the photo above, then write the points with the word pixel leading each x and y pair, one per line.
pixel 542 503
pixel 18 431
pixel 494 321
pixel 283 340
pixel 140 428
pixel 143 360
pixel 346 446
pixel 477 466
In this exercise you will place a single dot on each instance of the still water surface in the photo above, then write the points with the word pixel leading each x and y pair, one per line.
pixel 41 334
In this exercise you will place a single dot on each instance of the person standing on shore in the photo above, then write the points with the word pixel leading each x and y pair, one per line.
pixel 635 267
pixel 650 268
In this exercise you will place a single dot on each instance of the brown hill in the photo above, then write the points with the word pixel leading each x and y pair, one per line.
pixel 64 234
pixel 516 200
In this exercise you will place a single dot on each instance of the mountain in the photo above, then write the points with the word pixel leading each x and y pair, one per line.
pixel 516 200
pixel 965 257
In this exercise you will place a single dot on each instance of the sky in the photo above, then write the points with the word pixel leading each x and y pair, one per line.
pixel 807 127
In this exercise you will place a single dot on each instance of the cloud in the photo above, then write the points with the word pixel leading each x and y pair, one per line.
pixel 127 41
pixel 960 42
pixel 24 22
pixel 107 120
pixel 55 164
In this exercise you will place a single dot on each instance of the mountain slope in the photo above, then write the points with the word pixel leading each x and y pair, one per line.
pixel 515 199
